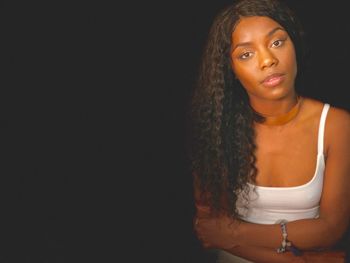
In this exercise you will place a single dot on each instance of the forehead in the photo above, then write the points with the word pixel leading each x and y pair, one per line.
pixel 254 26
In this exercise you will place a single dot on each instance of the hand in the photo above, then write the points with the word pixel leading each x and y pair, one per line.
pixel 202 210
pixel 217 232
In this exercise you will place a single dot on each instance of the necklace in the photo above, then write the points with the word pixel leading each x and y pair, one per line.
pixel 283 118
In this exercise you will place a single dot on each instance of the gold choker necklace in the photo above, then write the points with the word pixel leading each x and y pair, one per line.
pixel 280 119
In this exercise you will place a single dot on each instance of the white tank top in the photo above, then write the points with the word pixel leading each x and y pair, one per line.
pixel 269 204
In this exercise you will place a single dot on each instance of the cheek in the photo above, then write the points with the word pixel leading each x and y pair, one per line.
pixel 237 70
pixel 291 62
pixel 243 74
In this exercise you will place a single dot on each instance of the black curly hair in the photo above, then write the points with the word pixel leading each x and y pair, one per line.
pixel 222 150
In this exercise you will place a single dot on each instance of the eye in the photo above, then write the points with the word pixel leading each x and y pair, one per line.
pixel 277 43
pixel 245 55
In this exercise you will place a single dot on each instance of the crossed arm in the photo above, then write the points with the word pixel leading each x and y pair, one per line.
pixel 258 242
pixel 223 233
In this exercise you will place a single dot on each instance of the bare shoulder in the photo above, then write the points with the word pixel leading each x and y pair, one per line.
pixel 312 108
pixel 338 120
pixel 337 130
pixel 337 127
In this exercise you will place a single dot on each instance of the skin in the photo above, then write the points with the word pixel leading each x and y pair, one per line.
pixel 260 47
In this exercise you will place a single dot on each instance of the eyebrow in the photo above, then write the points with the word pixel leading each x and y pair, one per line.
pixel 268 34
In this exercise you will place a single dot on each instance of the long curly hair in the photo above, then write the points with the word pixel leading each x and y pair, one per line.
pixel 223 145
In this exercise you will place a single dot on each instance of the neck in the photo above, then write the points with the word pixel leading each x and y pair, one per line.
pixel 281 119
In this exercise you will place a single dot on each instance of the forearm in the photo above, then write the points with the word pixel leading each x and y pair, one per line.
pixel 263 255
pixel 306 234
pixel 267 255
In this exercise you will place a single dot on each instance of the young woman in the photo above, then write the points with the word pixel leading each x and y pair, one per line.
pixel 271 167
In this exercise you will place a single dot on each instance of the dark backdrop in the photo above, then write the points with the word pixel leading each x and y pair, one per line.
pixel 93 124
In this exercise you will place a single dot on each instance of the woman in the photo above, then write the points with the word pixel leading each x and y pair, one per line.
pixel 271 167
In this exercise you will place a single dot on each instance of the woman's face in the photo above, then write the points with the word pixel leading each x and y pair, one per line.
pixel 263 58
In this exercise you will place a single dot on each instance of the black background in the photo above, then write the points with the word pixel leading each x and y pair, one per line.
pixel 93 129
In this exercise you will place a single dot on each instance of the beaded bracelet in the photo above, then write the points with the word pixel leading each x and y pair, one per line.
pixel 286 245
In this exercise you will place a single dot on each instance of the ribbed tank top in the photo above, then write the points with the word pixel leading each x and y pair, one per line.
pixel 269 204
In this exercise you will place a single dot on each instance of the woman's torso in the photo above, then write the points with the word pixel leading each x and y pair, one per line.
pixel 290 173
pixel 291 164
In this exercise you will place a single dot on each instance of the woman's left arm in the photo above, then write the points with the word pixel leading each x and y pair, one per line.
pixel 306 234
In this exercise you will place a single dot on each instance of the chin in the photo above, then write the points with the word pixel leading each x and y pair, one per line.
pixel 281 93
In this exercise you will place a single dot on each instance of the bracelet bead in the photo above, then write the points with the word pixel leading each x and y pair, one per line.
pixel 286 245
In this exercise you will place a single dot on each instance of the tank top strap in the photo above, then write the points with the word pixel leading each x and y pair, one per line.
pixel 321 128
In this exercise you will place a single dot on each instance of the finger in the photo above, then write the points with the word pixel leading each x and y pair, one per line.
pixel 205 244
pixel 203 211
pixel 195 221
pixel 196 227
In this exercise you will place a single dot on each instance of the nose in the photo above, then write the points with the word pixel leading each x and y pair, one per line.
pixel 267 59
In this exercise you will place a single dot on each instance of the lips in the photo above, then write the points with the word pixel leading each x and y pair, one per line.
pixel 273 80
